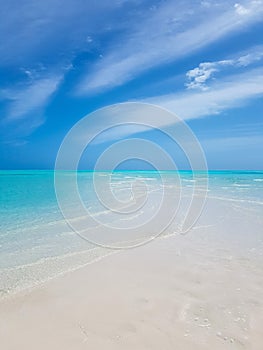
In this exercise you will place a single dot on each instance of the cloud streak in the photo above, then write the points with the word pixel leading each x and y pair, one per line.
pixel 198 76
pixel 25 107
pixel 143 48
pixel 47 31
pixel 234 91
pixel 30 99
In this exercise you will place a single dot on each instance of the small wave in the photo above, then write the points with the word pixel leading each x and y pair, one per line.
pixel 236 200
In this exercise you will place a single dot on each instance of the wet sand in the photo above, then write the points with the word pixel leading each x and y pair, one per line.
pixel 202 290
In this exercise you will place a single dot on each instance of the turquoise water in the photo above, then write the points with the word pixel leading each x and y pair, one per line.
pixel 35 241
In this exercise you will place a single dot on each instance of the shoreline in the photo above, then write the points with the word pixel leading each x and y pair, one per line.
pixel 196 291
pixel 39 272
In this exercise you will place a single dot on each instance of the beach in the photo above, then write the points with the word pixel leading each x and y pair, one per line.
pixel 131 175
pixel 200 290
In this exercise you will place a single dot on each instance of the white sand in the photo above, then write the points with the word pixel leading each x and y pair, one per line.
pixel 199 291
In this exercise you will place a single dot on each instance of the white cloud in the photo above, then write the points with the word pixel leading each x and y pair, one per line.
pixel 232 92
pixel 254 56
pixel 25 107
pixel 31 98
pixel 229 93
pixel 241 10
pixel 198 76
pixel 182 29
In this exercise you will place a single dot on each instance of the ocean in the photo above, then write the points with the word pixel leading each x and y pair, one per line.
pixel 124 209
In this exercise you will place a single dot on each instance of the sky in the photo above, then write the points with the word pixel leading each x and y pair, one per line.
pixel 61 60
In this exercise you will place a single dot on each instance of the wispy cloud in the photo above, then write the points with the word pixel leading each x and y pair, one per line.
pixel 197 77
pixel 233 91
pixel 31 98
pixel 48 31
pixel 179 33
pixel 38 42
pixel 25 107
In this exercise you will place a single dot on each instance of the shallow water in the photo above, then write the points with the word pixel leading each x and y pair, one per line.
pixel 36 242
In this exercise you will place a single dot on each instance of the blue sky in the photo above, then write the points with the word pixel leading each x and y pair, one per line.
pixel 60 60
